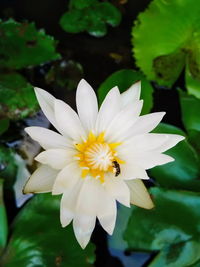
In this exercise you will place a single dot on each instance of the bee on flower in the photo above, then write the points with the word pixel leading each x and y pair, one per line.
pixel 99 156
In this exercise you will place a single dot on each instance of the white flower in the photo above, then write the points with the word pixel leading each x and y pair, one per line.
pixel 100 156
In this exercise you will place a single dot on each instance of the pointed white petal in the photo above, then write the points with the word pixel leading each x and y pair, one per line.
pixel 68 121
pixel 87 105
pixel 83 228
pixel 46 102
pixel 47 138
pixel 108 110
pixel 118 189
pixel 86 210
pixel 56 158
pixel 148 160
pixel 68 204
pixel 132 94
pixel 123 121
pixel 139 194
pixel 151 141
pixel 66 179
pixel 145 124
pixel 172 140
pixel 107 211
pixel 41 180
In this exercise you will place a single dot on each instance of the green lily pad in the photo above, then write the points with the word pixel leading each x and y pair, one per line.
pixel 166 36
pixel 3 220
pixel 90 16
pixel 124 79
pixel 39 240
pixel 190 107
pixel 172 227
pixel 17 96
pixel 21 45
pixel 178 255
pixel 183 173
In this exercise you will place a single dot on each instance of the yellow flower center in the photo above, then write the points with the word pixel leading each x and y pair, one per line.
pixel 97 157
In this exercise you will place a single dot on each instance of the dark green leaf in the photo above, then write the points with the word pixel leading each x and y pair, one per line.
pixel 110 14
pixel 74 21
pixel 90 17
pixel 3 220
pixel 17 96
pixel 172 227
pixel 21 45
pixel 39 240
pixel 124 79
pixel 4 125
pixel 184 171
pixel 190 107
pixel 192 84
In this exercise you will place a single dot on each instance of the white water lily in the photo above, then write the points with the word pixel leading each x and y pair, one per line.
pixel 99 157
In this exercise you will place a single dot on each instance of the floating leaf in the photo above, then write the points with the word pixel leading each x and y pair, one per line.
pixel 184 171
pixel 39 240
pixel 165 37
pixel 90 16
pixel 177 255
pixel 3 220
pixel 190 107
pixel 21 45
pixel 172 227
pixel 124 79
pixel 17 96
pixel 192 84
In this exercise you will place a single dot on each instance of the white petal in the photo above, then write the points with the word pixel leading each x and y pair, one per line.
pixel 108 110
pixel 132 94
pixel 47 138
pixel 123 121
pixel 149 160
pixel 66 179
pixel 68 204
pixel 87 105
pixel 172 140
pixel 130 170
pixel 41 180
pixel 118 189
pixel 107 211
pixel 145 124
pixel 46 102
pixel 86 210
pixel 139 194
pixel 83 228
pixel 152 141
pixel 68 121
pixel 56 158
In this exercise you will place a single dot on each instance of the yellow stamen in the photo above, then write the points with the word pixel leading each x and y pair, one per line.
pixel 96 156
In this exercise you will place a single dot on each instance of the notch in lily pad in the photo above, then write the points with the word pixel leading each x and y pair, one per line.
pixel 164 45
